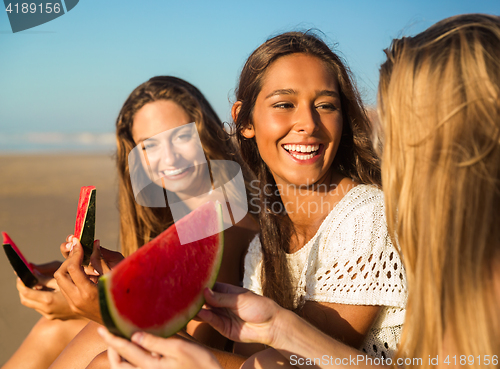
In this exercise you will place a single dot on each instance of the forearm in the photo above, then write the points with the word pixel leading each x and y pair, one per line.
pixel 303 344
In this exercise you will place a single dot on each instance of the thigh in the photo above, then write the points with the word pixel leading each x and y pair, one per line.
pixel 82 349
pixel 44 343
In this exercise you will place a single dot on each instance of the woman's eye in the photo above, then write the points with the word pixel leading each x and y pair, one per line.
pixel 326 106
pixel 149 146
pixel 183 138
pixel 283 105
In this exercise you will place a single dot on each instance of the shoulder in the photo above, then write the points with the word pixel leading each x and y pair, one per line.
pixel 360 214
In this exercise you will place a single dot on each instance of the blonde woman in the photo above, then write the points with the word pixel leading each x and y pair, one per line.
pixel 439 104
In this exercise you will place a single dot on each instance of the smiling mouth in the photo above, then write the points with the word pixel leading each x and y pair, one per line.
pixel 302 152
pixel 175 172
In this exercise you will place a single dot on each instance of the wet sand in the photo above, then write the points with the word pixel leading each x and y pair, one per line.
pixel 38 201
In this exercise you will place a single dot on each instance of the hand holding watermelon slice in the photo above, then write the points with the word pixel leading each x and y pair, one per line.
pixel 159 288
pixel 173 352
pixel 77 287
pixel 241 315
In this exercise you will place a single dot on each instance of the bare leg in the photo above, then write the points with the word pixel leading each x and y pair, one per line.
pixel 82 349
pixel 44 343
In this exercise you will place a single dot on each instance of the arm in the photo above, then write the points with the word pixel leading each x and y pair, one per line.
pixel 246 317
pixel 346 323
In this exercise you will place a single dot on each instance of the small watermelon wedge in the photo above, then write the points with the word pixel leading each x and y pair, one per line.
pixel 23 268
pixel 85 221
pixel 159 288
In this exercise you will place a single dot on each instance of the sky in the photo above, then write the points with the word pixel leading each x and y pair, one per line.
pixel 62 83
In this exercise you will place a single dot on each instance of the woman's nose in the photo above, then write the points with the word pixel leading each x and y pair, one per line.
pixel 170 154
pixel 307 120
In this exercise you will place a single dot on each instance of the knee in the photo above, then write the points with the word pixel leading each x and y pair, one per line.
pixel 48 330
pixel 56 330
pixel 265 359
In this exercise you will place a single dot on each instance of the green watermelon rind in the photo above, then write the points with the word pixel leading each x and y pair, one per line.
pixel 87 235
pixel 122 327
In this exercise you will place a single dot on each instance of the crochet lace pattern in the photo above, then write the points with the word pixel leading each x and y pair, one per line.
pixel 350 260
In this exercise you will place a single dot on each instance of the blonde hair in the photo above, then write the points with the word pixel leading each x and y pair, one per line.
pixel 439 104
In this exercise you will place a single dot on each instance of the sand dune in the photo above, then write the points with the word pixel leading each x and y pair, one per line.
pixel 38 200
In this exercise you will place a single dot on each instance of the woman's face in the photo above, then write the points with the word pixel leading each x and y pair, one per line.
pixel 297 119
pixel 171 147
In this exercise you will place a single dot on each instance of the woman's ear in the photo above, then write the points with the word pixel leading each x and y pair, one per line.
pixel 247 132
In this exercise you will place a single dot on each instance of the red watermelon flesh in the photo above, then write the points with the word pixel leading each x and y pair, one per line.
pixel 159 288
pixel 8 240
pixel 85 220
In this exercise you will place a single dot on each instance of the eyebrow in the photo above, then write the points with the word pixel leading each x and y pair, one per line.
pixel 290 91
pixel 173 130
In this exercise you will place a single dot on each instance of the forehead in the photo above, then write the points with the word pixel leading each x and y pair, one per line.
pixel 157 117
pixel 299 72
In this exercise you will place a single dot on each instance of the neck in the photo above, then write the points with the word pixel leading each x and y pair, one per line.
pixel 308 205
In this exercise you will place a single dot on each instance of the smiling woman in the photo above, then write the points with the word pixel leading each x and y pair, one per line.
pixel 172 148
pixel 324 249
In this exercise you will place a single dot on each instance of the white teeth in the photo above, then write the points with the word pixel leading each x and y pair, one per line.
pixel 301 148
pixel 302 157
pixel 175 172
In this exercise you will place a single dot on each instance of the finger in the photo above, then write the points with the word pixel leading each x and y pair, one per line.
pixel 67 246
pixel 218 299
pixel 219 321
pixel 116 361
pixel 228 288
pixel 164 346
pixel 96 258
pixel 74 267
pixel 128 350
pixel 65 279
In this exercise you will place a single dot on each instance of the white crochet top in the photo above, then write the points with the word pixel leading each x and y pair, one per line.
pixel 350 260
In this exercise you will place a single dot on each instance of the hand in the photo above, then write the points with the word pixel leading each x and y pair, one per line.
pixel 102 260
pixel 46 298
pixel 78 288
pixel 148 351
pixel 240 314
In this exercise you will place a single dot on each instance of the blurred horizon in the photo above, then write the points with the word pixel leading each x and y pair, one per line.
pixel 63 83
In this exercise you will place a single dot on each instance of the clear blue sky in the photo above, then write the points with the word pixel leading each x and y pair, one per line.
pixel 71 75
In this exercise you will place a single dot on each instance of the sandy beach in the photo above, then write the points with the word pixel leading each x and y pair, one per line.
pixel 38 201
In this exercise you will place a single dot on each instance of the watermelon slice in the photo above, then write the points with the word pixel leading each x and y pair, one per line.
pixel 159 288
pixel 85 221
pixel 23 268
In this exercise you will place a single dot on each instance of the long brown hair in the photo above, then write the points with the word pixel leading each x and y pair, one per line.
pixel 139 224
pixel 439 104
pixel 354 158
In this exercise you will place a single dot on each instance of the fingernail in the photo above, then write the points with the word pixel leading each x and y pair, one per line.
pixel 96 272
pixel 211 292
pixel 68 246
pixel 74 241
pixel 137 337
